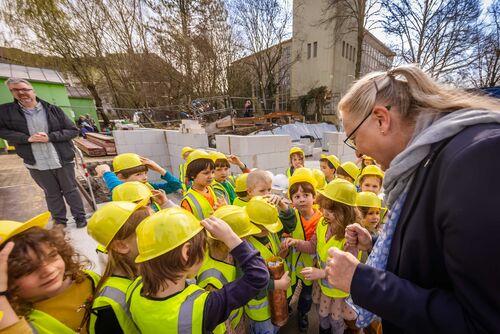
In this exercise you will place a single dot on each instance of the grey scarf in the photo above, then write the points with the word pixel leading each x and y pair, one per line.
pixel 429 129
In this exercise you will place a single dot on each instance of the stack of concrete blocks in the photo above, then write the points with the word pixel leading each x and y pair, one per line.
pixel 333 143
pixel 265 152
pixel 149 143
pixel 191 126
pixel 176 140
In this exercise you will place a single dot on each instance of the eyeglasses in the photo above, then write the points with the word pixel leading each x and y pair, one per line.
pixel 21 90
pixel 349 141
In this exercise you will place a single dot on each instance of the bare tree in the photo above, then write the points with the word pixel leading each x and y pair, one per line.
pixel 440 35
pixel 353 16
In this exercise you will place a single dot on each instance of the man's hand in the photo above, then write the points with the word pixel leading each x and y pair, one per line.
pixel 39 137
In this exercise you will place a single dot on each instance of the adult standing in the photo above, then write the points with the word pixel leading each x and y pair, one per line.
pixel 248 108
pixel 42 134
pixel 432 269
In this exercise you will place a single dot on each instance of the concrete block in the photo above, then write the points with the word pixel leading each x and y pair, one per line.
pixel 222 144
pixel 171 137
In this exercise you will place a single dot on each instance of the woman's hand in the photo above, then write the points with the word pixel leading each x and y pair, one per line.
pixel 312 274
pixel 220 230
pixel 283 283
pixel 359 237
pixel 340 268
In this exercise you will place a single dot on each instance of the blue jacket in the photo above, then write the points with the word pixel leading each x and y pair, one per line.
pixel 442 275
pixel 170 186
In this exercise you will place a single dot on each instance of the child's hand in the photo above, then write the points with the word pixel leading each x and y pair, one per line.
pixel 159 196
pixel 283 283
pixel 235 160
pixel 277 201
pixel 312 274
pixel 221 230
pixel 101 169
pixel 4 257
pixel 287 243
pixel 358 236
pixel 221 201
pixel 153 166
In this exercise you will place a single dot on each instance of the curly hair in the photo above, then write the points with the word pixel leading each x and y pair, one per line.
pixel 28 255
pixel 344 215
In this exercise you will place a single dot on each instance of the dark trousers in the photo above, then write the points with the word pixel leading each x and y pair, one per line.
pixel 57 183
pixel 305 298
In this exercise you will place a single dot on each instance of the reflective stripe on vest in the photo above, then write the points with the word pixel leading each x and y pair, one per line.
pixel 218 186
pixel 212 273
pixel 199 204
pixel 185 324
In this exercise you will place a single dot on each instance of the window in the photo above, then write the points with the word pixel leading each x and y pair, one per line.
pixel 315 49
pixel 350 52
pixel 343 48
pixel 308 50
pixel 354 55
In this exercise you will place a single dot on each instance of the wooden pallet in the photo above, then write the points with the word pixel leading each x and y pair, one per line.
pixel 91 149
pixel 107 142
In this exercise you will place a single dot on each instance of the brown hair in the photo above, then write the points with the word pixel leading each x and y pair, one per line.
pixel 222 163
pixel 127 172
pixel 170 266
pixel 28 256
pixel 301 155
pixel 341 171
pixel 328 162
pixel 242 194
pixel 197 166
pixel 305 186
pixel 344 215
pixel 218 249
pixel 364 176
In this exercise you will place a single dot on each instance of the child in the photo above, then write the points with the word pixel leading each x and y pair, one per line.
pixel 219 268
pixel 44 288
pixel 366 161
pixel 265 215
pixel 371 179
pixel 329 165
pixel 338 205
pixel 172 245
pixel 302 192
pixel 348 171
pixel 297 158
pixel 131 167
pixel 185 152
pixel 136 192
pixel 371 210
pixel 241 190
pixel 200 199
pixel 320 178
pixel 223 184
pixel 113 227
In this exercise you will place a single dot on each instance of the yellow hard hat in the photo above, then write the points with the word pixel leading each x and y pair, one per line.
pixel 295 149
pixel 263 213
pixel 365 157
pixel 301 175
pixel 126 161
pixel 372 170
pixel 241 183
pixel 10 228
pixel 351 169
pixel 320 179
pixel 333 159
pixel 340 190
pixel 131 192
pixel 109 219
pixel 218 155
pixel 186 149
pixel 370 200
pixel 164 231
pixel 237 218
pixel 199 154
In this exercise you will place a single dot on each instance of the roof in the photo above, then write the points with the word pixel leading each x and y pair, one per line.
pixel 80 92
pixel 378 44
pixel 30 73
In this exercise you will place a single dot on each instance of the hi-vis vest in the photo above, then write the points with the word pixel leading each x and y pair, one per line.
pixel 289 172
pixel 113 294
pixel 182 176
pixel 218 274
pixel 296 260
pixel 322 248
pixel 43 323
pixel 181 313
pixel 219 188
pixel 258 309
pixel 199 204
pixel 239 202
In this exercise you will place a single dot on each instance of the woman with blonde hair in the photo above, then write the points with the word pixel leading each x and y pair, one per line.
pixel 429 270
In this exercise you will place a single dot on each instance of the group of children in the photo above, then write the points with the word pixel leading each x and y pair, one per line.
pixel 198 267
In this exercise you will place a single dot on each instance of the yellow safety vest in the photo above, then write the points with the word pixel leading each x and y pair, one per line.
pixel 199 204
pixel 182 176
pixel 322 248
pixel 181 313
pixel 297 260
pixel 258 309
pixel 113 293
pixel 289 172
pixel 239 202
pixel 218 274
pixel 43 323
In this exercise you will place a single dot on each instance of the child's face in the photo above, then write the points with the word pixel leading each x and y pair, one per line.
pixel 139 176
pixel 46 281
pixel 302 201
pixel 329 215
pixel 344 177
pixel 297 160
pixel 372 218
pixel 204 178
pixel 262 188
pixel 221 173
pixel 371 183
pixel 368 162
pixel 329 172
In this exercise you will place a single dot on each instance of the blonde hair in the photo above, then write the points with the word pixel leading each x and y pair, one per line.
pixel 412 91
pixel 257 176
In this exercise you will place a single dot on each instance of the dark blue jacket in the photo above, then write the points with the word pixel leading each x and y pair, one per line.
pixel 443 270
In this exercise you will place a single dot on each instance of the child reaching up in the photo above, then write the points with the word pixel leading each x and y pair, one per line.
pixel 224 184
pixel 172 245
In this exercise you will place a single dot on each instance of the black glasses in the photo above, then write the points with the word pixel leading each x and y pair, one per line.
pixel 349 141
pixel 21 90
